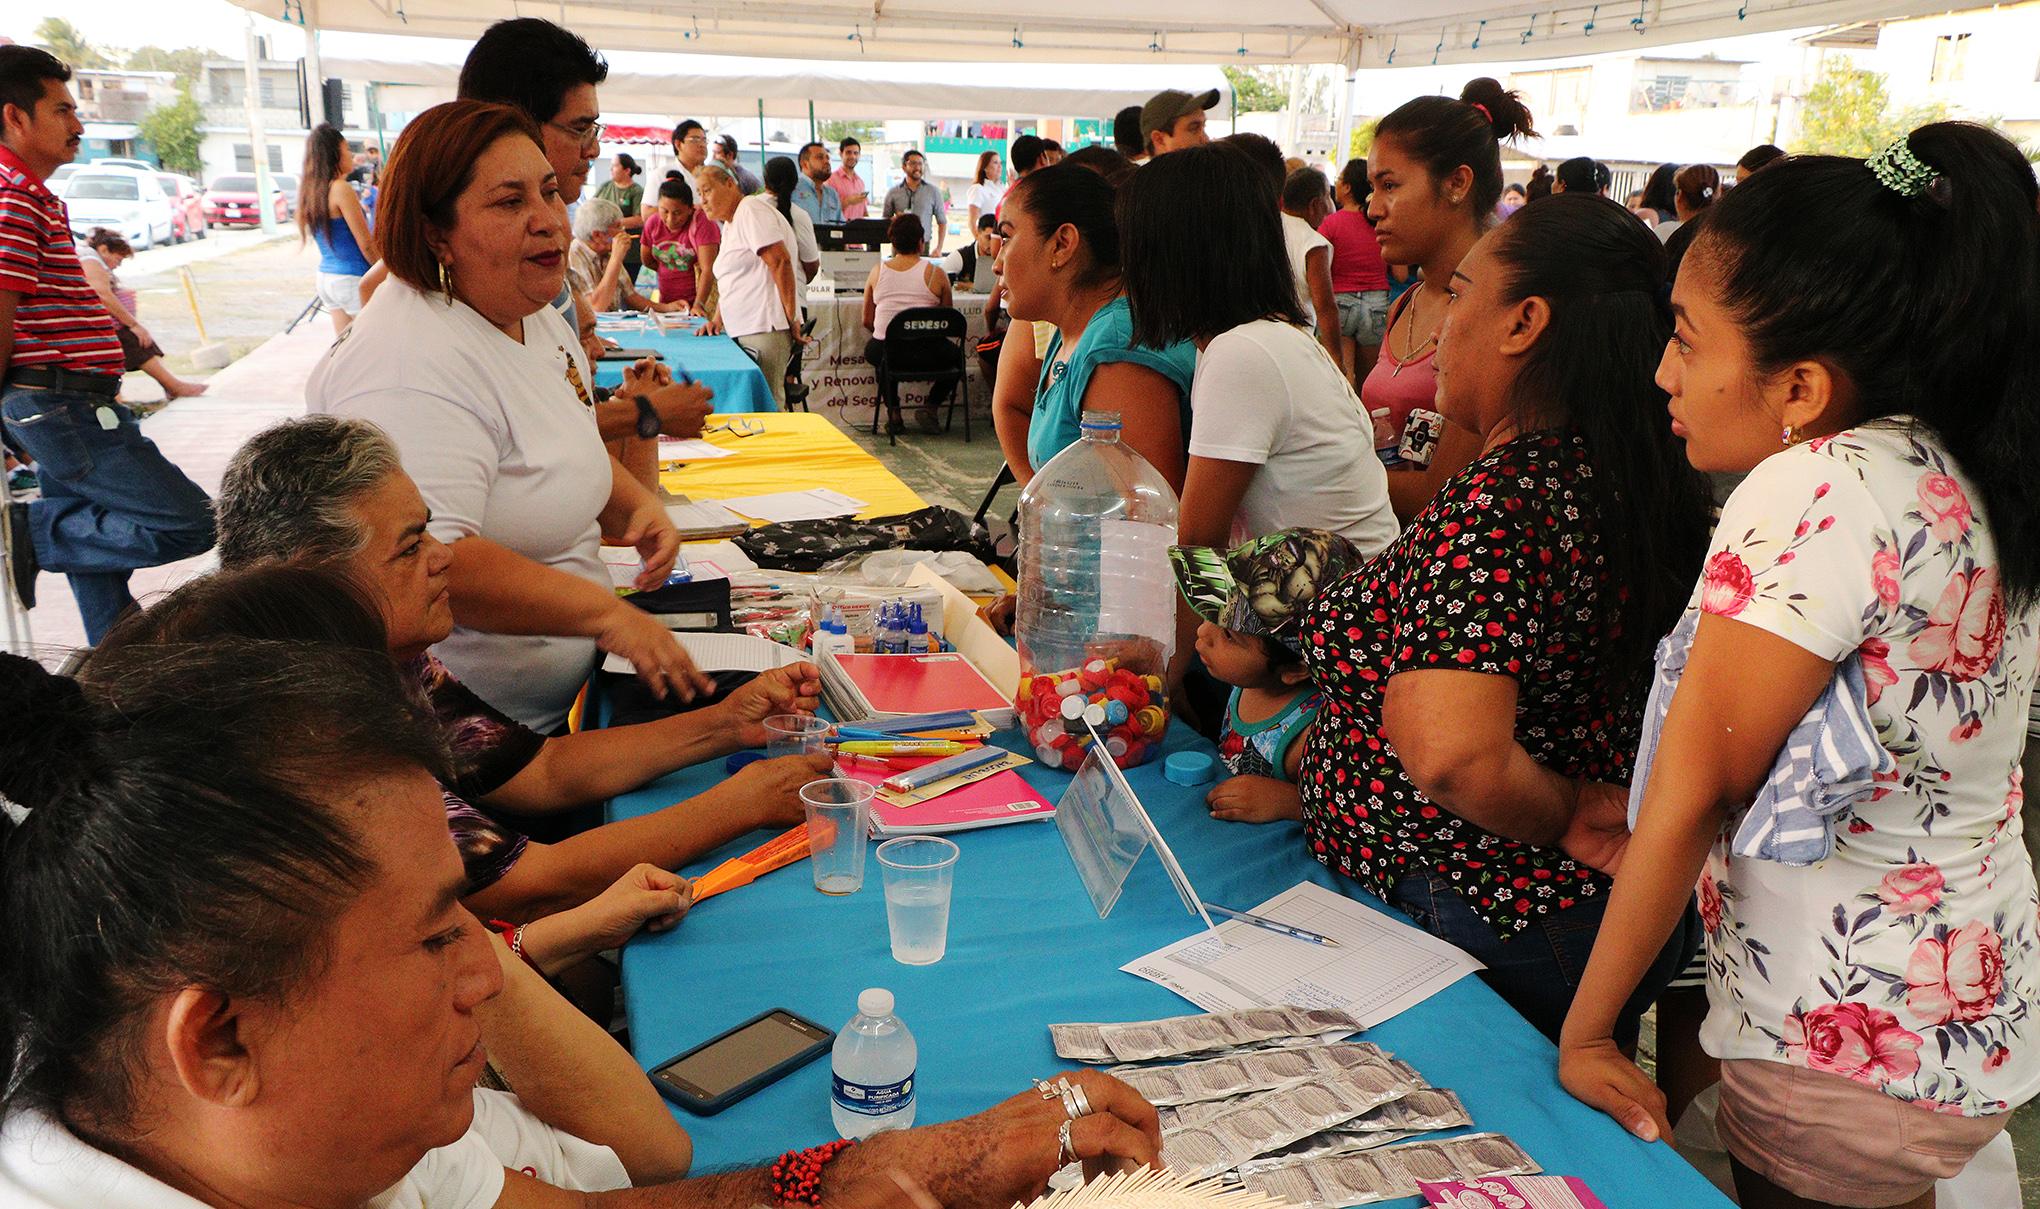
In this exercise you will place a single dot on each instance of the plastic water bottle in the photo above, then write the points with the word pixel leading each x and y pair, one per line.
pixel 873 1084
pixel 1096 620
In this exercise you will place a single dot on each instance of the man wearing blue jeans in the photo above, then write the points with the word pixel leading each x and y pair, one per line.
pixel 110 501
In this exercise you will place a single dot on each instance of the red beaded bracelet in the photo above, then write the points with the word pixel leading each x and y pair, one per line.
pixel 797 1176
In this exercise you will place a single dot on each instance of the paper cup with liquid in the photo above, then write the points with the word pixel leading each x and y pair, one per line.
pixel 919 872
pixel 838 816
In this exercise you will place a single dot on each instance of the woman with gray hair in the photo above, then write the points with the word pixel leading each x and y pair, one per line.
pixel 596 258
pixel 760 302
pixel 326 491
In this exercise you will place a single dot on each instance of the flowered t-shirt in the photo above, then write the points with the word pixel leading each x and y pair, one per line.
pixel 1502 573
pixel 489 748
pixel 1907 960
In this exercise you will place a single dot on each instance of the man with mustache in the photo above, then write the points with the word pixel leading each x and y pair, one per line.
pixel 110 502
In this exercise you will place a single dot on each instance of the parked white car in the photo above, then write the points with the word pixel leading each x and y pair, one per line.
pixel 121 199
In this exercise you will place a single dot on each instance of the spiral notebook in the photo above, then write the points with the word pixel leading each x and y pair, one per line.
pixel 1001 798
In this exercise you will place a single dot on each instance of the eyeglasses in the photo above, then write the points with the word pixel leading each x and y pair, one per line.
pixel 590 136
pixel 696 139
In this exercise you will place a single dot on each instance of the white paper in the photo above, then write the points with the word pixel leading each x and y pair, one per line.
pixel 703 516
pixel 672 449
pixel 1382 966
pixel 721 653
pixel 970 634
pixel 623 564
pixel 816 504
pixel 725 554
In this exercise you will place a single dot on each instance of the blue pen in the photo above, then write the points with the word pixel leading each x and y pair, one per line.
pixel 928 774
pixel 860 732
pixel 1262 921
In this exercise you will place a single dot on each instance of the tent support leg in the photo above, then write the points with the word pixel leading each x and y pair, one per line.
pixel 761 138
pixel 813 131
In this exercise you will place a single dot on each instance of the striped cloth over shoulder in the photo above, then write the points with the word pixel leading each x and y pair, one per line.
pixel 1830 761
pixel 58 321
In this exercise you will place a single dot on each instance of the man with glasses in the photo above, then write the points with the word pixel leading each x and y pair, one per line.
pixel 690 147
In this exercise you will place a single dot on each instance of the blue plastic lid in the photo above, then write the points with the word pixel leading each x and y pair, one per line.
pixel 1189 768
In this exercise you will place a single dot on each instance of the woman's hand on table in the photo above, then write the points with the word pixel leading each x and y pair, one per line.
pixel 661 662
pixel 794 689
pixel 652 533
pixel 1599 832
pixel 1122 1133
pixel 770 789
pixel 1597 1074
pixel 1249 799
pixel 646 899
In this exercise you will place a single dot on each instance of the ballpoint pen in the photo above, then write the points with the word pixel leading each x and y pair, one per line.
pixel 1260 921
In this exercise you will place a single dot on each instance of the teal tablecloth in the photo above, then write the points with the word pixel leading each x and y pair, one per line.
pixel 715 361
pixel 1026 949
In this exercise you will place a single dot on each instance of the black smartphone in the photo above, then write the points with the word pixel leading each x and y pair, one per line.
pixel 725 1068
pixel 631 354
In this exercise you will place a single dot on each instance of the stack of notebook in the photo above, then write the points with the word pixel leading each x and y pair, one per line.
pixel 857 688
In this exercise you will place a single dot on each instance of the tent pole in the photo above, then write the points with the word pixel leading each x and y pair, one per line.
pixel 315 71
pixel 813 131
pixel 258 149
pixel 761 138
pixel 1342 148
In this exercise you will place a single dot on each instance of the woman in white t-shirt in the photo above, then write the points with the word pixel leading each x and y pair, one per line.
pixel 988 188
pixel 485 391
pixel 760 304
pixel 1277 438
pixel 300 1013
pixel 286 1004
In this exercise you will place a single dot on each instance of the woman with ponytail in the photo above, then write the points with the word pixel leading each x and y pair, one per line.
pixel 1436 167
pixel 1857 337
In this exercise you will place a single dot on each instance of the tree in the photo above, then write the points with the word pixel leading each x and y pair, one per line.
pixel 63 40
pixel 1848 112
pixel 186 62
pixel 173 130
pixel 1363 138
pixel 834 130
pixel 1266 89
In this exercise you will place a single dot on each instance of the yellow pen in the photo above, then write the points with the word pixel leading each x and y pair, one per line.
pixel 873 747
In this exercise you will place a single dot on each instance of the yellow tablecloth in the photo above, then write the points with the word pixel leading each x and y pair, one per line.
pixel 797 450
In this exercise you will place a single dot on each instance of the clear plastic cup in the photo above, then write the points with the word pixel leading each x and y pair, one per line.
pixel 838 816
pixel 919 872
pixel 794 735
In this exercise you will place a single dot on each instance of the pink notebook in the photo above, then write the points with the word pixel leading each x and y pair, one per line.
pixel 1003 797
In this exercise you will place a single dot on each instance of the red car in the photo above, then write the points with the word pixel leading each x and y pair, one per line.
pixel 187 205
pixel 230 202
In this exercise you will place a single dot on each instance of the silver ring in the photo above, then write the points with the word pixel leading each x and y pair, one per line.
pixel 1066 1150
pixel 1083 1101
pixel 1069 1101
pixel 1048 1090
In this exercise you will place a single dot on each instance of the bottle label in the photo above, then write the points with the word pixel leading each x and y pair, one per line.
pixel 872 1100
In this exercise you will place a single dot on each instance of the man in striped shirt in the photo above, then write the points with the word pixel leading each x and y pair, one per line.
pixel 110 501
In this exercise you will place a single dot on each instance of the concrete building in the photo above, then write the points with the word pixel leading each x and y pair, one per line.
pixel 111 103
pixel 286 114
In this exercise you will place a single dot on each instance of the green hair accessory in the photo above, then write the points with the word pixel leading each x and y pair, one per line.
pixel 1899 170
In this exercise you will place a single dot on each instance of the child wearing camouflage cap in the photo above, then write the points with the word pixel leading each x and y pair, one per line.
pixel 1249 598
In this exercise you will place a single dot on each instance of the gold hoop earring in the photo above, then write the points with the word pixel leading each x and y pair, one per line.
pixel 446 283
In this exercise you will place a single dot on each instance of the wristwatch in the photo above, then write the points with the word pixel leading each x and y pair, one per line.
pixel 647 417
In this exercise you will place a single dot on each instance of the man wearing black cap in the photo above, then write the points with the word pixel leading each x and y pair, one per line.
pixel 623 188
pixel 1173 119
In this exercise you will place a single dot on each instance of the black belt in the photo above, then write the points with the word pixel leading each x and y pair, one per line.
pixel 65 380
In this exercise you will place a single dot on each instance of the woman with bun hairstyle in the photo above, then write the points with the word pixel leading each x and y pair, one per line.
pixel 1694 188
pixel 1436 166
pixel 1857 338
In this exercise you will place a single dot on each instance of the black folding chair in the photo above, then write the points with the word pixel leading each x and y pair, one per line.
pixel 797 390
pixel 924 344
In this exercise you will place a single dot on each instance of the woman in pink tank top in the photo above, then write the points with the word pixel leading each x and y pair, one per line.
pixel 1436 168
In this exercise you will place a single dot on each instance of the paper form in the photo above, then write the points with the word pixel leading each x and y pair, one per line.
pixel 721 653
pixel 1381 967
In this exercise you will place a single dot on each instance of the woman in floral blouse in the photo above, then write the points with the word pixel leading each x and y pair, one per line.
pixel 1486 672
pixel 1859 338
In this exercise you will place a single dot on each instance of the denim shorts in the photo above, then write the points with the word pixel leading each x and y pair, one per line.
pixel 1363 317
pixel 1538 969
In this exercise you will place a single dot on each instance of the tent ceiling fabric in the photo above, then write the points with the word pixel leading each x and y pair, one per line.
pixel 642 82
pixel 1363 33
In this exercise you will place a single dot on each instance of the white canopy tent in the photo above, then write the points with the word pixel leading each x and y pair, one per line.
pixel 678 84
pixel 1355 33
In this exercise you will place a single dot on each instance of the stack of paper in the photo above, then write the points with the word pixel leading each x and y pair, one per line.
pixel 858 687
pixel 673 449
pixel 721 653
pixel 818 503
pixel 705 520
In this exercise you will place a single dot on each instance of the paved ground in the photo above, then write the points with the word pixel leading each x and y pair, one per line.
pixel 249 289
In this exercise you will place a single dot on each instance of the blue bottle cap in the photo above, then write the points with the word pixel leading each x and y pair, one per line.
pixel 1189 768
pixel 742 758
